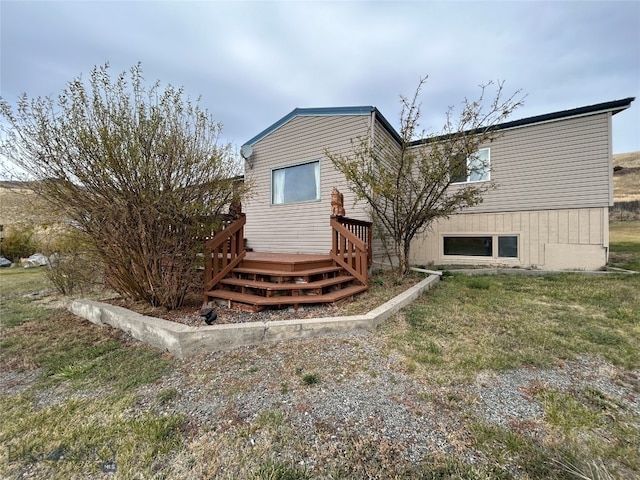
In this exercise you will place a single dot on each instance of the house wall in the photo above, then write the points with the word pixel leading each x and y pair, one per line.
pixel 300 227
pixel 553 190
pixel 561 164
pixel 387 145
pixel 563 239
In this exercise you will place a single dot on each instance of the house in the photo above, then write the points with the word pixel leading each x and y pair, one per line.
pixel 553 172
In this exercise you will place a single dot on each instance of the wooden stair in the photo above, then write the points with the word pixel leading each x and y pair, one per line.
pixel 267 280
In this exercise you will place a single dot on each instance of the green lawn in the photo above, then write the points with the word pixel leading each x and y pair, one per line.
pixel 624 243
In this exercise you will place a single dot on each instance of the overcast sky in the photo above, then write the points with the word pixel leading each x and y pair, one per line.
pixel 254 62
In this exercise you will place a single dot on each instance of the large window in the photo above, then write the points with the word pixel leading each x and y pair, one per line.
pixel 298 183
pixel 474 168
pixel 469 246
pixel 481 246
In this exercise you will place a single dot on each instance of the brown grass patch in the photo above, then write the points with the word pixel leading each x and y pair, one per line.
pixel 626 181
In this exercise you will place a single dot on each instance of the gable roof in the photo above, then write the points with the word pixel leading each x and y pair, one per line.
pixel 613 106
pixel 326 111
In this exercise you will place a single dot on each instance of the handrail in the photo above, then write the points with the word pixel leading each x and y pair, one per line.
pixel 348 249
pixel 224 252
pixel 362 229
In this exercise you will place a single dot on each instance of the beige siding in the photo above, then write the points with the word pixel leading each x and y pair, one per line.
pixel 388 146
pixel 301 227
pixel 548 239
pixel 560 164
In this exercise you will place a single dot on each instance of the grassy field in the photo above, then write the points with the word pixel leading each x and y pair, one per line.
pixel 624 243
pixel 72 388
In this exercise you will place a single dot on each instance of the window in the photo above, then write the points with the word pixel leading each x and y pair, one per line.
pixel 469 246
pixel 508 246
pixel 481 246
pixel 474 168
pixel 298 183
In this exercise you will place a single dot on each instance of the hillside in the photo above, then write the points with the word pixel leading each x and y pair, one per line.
pixel 626 179
pixel 19 205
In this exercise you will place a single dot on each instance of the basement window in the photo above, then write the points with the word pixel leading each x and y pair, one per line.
pixel 492 246
pixel 297 183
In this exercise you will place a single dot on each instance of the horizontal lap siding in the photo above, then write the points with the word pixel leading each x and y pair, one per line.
pixel 387 146
pixel 300 227
pixel 562 164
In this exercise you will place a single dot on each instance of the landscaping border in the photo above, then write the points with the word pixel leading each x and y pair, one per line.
pixel 184 341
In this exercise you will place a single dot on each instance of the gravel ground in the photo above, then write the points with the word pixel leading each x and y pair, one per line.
pixel 356 389
pixel 364 393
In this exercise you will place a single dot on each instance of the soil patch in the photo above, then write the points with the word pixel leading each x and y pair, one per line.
pixel 383 287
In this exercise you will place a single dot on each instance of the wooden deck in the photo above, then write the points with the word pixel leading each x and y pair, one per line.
pixel 253 281
pixel 280 280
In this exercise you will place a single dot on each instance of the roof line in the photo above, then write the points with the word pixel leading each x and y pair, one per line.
pixel 308 112
pixel 614 106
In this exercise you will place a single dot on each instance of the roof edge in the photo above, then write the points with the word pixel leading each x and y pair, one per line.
pixel 311 112
pixel 614 106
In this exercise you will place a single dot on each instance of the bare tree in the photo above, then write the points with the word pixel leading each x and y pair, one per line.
pixel 138 169
pixel 423 178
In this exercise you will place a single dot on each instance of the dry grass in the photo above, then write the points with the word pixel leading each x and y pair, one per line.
pixel 626 182
pixel 627 160
pixel 620 232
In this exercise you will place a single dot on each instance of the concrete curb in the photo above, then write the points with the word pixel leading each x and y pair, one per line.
pixel 183 340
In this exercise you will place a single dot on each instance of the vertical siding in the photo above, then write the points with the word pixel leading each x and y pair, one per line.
pixel 301 227
pixel 538 231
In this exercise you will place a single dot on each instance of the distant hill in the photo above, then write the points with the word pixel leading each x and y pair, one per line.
pixel 19 205
pixel 626 176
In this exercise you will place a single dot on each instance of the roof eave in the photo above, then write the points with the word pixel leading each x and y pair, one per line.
pixel 614 107
pixel 310 112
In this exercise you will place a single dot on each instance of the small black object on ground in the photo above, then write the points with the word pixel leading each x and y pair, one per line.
pixel 209 315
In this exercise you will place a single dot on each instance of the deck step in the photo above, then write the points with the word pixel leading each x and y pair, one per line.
pixel 271 286
pixel 261 301
pixel 287 274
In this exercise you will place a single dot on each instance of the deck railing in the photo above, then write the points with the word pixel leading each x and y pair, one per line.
pixel 224 251
pixel 351 246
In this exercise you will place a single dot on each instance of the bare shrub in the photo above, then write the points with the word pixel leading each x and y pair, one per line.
pixel 19 242
pixel 138 170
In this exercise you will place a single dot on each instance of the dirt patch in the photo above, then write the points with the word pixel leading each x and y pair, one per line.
pixel 383 288
pixel 626 171
pixel 189 314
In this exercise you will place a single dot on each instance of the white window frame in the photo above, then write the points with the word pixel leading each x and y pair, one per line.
pixel 486 172
pixel 480 258
pixel 275 181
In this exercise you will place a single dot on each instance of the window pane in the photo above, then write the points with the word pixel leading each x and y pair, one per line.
pixel 299 183
pixel 469 246
pixel 458 168
pixel 508 247
pixel 479 166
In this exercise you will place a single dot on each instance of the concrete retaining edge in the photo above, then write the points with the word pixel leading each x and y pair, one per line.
pixel 184 341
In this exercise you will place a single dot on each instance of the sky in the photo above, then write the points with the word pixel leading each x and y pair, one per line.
pixel 253 62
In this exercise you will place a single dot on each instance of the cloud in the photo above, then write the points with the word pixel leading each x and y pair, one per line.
pixel 253 62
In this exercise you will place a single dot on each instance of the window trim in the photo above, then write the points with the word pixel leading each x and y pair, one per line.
pixel 469 160
pixel 483 258
pixel 292 165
